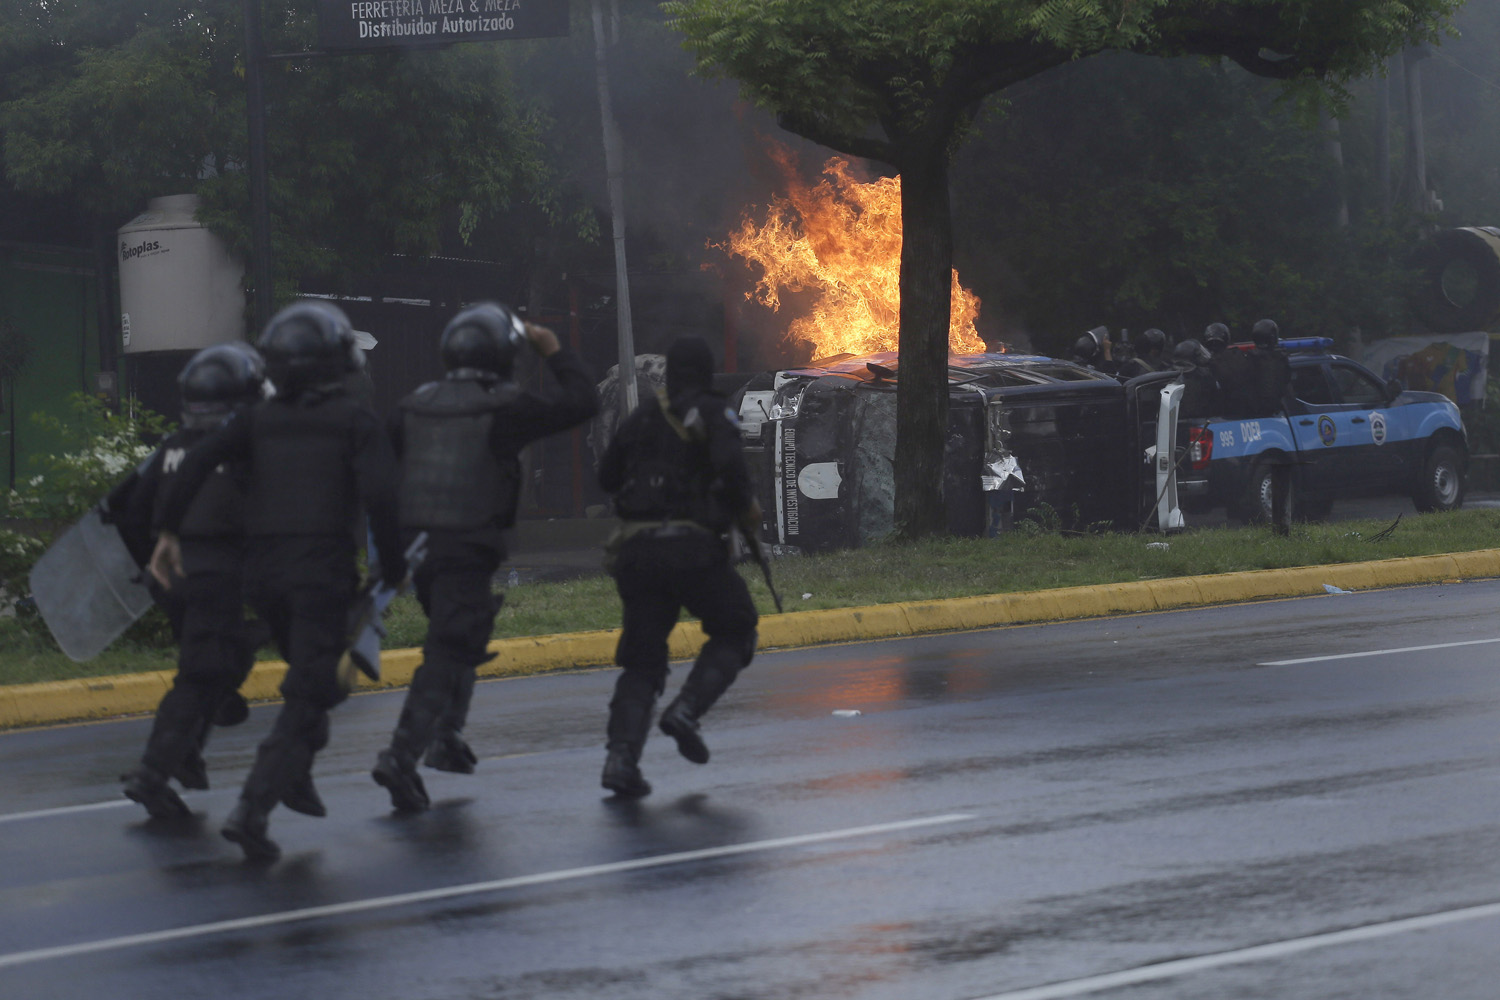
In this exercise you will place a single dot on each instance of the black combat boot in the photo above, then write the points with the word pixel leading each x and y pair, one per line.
pixel 283 757
pixel 396 766
pixel 149 787
pixel 622 774
pixel 192 770
pixel 680 722
pixel 397 773
pixel 246 826
pixel 175 747
pixel 629 723
pixel 450 752
pixel 717 666
pixel 302 796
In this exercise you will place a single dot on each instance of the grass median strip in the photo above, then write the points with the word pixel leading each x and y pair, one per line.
pixel 882 574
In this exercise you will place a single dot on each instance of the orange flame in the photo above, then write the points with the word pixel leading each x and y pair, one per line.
pixel 841 241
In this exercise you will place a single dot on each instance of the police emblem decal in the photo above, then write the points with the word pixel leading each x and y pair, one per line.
pixel 1327 432
pixel 1377 427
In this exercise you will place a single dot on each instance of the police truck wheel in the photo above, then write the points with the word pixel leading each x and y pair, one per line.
pixel 1255 503
pixel 1442 485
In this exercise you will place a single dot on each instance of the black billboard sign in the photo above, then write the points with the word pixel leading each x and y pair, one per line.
pixel 375 24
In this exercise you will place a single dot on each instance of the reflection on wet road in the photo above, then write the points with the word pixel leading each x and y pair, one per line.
pixel 1149 806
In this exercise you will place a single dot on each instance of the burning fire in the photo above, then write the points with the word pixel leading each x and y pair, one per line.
pixel 840 240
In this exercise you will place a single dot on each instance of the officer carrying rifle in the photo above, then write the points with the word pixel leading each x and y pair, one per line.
pixel 680 482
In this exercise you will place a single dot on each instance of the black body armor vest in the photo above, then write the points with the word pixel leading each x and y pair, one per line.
pixel 450 477
pixel 1270 376
pixel 667 477
pixel 218 509
pixel 303 478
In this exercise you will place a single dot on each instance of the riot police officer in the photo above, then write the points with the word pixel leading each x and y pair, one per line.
pixel 679 480
pixel 205 606
pixel 1231 368
pixel 1090 351
pixel 1152 350
pixel 1200 393
pixel 1270 371
pixel 313 457
pixel 1215 338
pixel 459 441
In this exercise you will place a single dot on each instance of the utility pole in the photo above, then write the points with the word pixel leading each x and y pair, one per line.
pixel 614 169
pixel 1417 196
pixel 260 188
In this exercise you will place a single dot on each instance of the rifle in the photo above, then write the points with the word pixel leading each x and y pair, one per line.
pixel 365 628
pixel 745 544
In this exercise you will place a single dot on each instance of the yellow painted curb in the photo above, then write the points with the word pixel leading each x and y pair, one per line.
pixel 127 694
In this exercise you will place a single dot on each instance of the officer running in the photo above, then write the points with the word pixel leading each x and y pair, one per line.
pixel 679 479
pixel 205 605
pixel 313 457
pixel 460 440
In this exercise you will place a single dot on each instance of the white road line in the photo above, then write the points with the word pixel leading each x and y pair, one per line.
pixel 64 810
pixel 1277 949
pixel 471 889
pixel 1376 652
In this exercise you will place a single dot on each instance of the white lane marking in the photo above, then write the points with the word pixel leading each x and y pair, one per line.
pixel 1376 652
pixel 471 889
pixel 1276 949
pixel 64 810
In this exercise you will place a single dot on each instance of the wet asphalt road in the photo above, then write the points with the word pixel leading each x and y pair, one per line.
pixel 1086 800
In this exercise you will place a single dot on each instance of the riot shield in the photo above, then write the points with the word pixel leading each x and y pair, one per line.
pixel 88 588
pixel 365 628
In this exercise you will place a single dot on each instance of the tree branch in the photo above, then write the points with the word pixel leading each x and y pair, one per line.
pixel 981 70
pixel 825 134
pixel 1243 33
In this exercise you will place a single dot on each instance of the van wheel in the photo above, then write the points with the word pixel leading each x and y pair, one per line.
pixel 1442 485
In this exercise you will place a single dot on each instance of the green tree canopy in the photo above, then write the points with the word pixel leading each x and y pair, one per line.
pixel 900 81
pixel 105 104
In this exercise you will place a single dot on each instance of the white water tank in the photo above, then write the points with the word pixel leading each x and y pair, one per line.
pixel 180 286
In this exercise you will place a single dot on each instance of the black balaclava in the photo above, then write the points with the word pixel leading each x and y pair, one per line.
pixel 690 366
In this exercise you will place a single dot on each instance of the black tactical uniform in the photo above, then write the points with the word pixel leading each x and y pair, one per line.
pixel 1270 370
pixel 679 480
pixel 460 440
pixel 216 646
pixel 1151 351
pixel 313 456
pixel 1232 370
pixel 1200 393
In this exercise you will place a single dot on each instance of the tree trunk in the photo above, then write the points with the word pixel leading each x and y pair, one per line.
pixel 922 383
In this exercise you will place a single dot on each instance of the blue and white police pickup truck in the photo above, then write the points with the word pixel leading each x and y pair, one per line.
pixel 1350 434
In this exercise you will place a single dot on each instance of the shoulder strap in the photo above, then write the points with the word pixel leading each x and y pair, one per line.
pixel 672 421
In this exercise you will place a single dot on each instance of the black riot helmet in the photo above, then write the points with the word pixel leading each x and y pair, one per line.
pixel 1216 337
pixel 308 343
pixel 217 379
pixel 1190 354
pixel 1086 348
pixel 1265 333
pixel 487 337
pixel 1153 342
